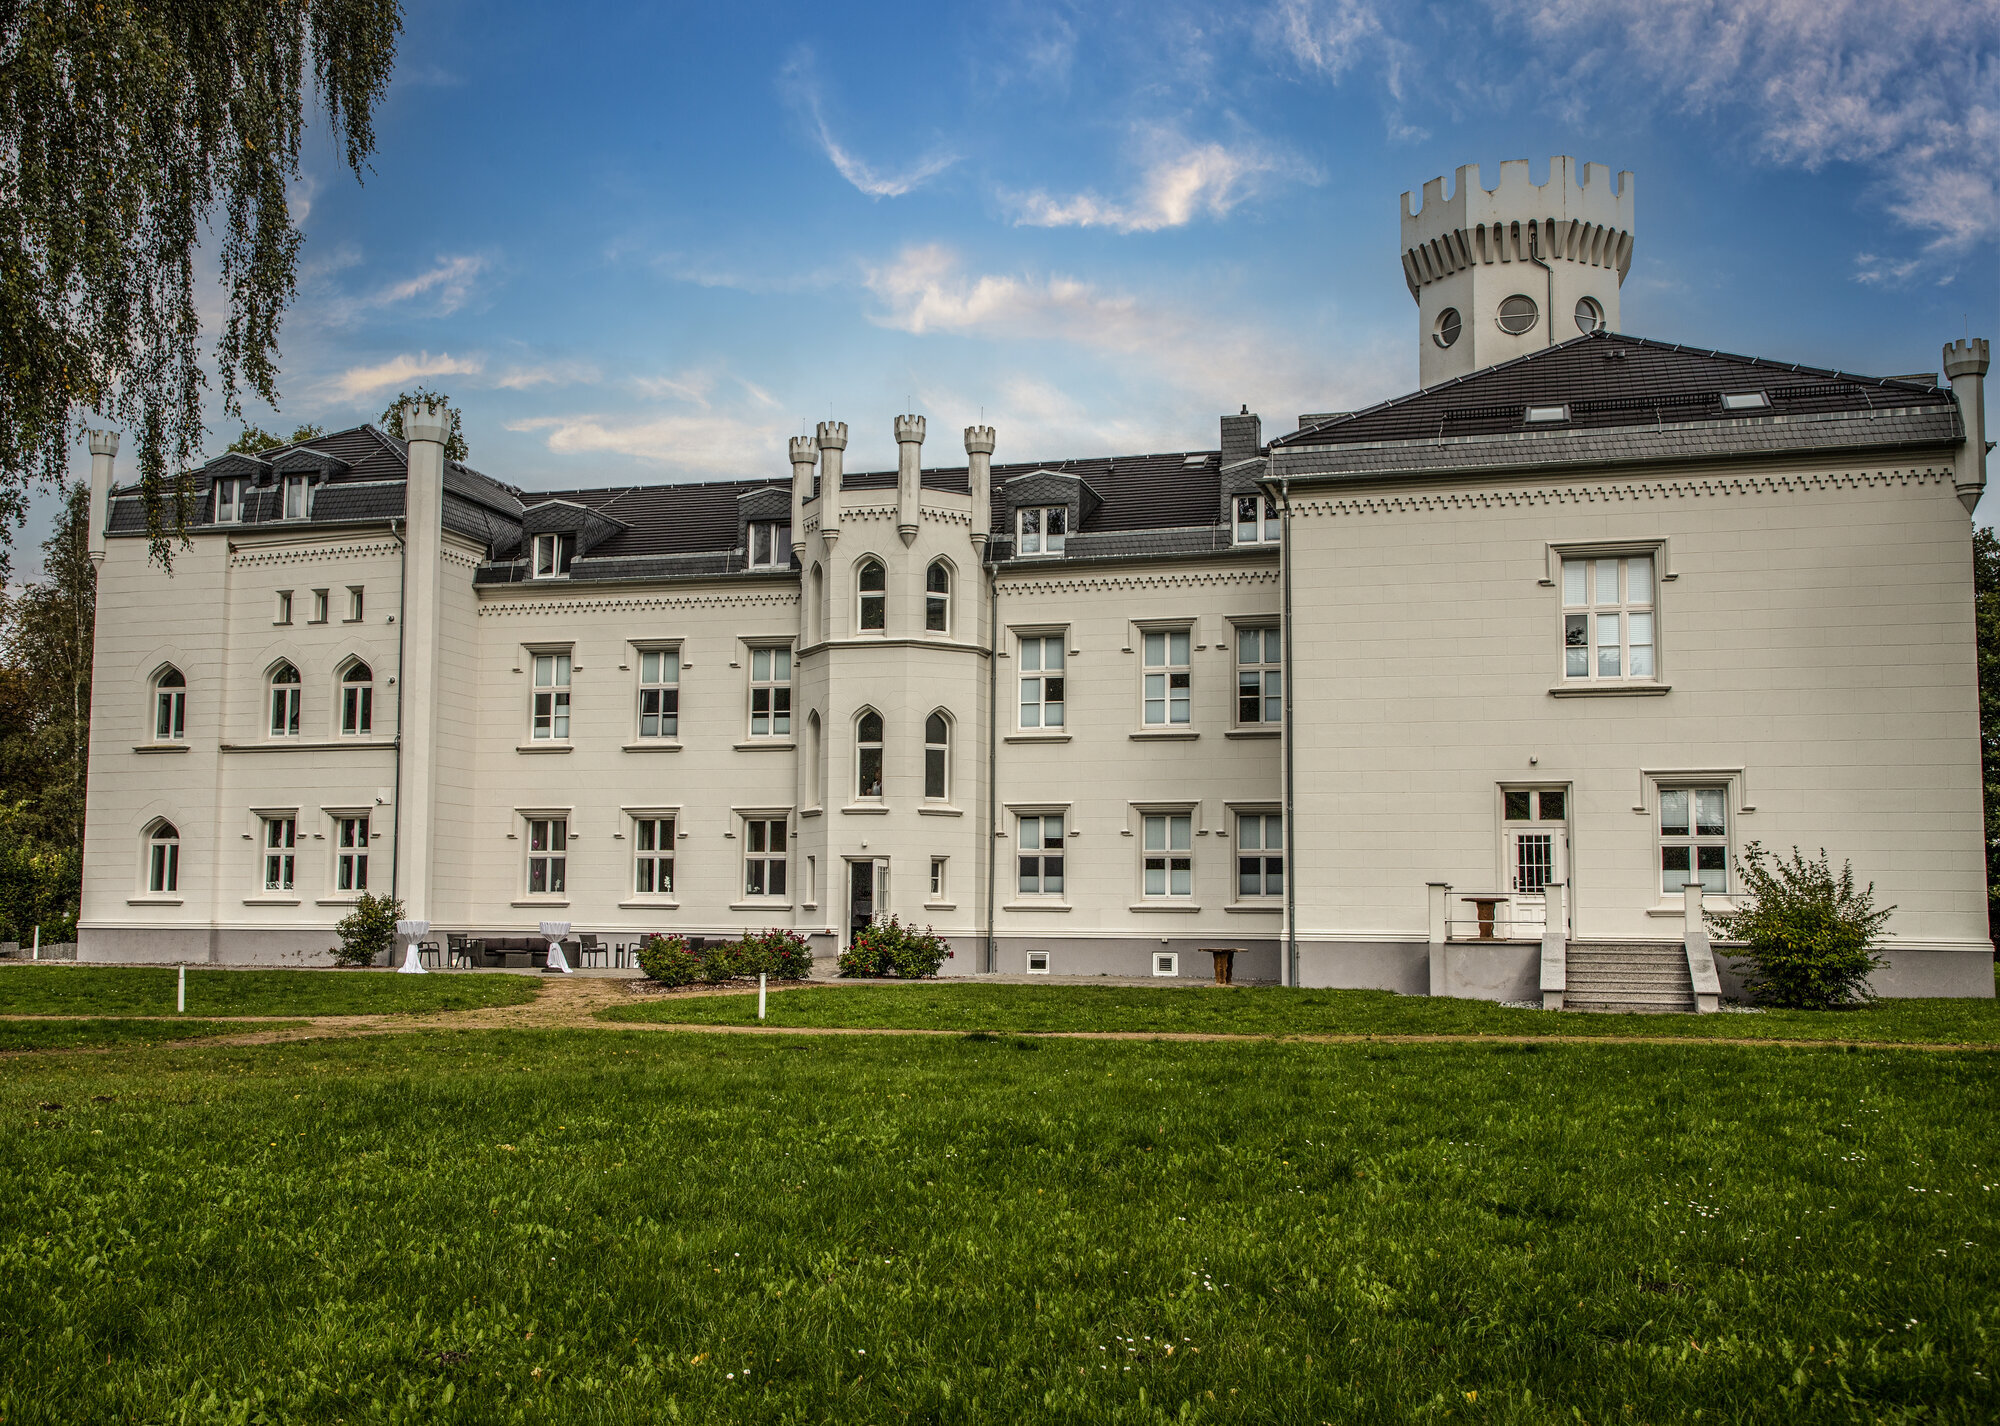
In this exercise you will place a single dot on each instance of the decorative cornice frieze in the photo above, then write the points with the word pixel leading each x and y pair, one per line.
pixel 626 602
pixel 1603 493
pixel 308 554
pixel 944 517
pixel 1108 583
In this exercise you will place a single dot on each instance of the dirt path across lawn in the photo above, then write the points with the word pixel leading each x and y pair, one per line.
pixel 572 1004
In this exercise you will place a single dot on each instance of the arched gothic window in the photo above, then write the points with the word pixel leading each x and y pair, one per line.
pixel 816 612
pixel 169 706
pixel 357 700
pixel 868 755
pixel 937 763
pixel 284 701
pixel 873 586
pixel 163 858
pixel 937 598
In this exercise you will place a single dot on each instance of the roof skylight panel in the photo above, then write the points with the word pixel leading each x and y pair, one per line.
pixel 1745 401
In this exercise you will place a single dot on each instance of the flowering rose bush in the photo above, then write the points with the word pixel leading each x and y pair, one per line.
pixel 889 948
pixel 668 960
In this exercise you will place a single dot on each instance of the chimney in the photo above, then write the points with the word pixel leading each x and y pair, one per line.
pixel 1965 363
pixel 979 472
pixel 805 450
pixel 1242 437
pixel 909 474
pixel 832 443
pixel 103 450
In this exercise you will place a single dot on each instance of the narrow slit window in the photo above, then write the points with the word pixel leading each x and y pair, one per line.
pixel 872 589
pixel 357 701
pixel 170 707
pixel 163 859
pixel 285 701
pixel 937 757
pixel 868 755
pixel 937 598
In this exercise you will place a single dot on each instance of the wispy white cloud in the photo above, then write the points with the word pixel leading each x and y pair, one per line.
pixel 552 373
pixel 1181 181
pixel 1328 39
pixel 448 283
pixel 696 443
pixel 876 183
pixel 400 370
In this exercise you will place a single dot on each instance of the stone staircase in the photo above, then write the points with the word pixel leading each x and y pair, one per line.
pixel 1643 979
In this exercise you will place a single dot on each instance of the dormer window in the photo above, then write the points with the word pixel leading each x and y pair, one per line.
pixel 553 554
pixel 1745 401
pixel 229 500
pixel 1547 415
pixel 1042 529
pixel 770 544
pixel 298 497
pixel 1256 521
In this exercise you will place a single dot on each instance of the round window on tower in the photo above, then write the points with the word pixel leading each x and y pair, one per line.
pixel 1518 314
pixel 1449 325
pixel 1589 316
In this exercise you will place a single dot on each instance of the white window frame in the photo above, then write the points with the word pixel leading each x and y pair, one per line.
pixel 350 852
pixel 937 757
pixel 552 552
pixel 278 861
pixel 1259 847
pixel 1268 702
pixel 546 835
pixel 937 602
pixel 1044 852
pixel 169 706
pixel 771 668
pixel 661 690
pixel 357 700
pixel 1172 829
pixel 357 603
pixel 1032 651
pixel 549 703
pixel 229 492
pixel 298 494
pixel 319 607
pixel 765 868
pixel 283 615
pixel 163 859
pixel 863 746
pixel 1166 965
pixel 1261 527
pixel 1687 797
pixel 1041 540
pixel 864 595
pixel 940 878
pixel 1586 618
pixel 767 544
pixel 1039 962
pixel 655 838
pixel 285 699
pixel 1157 680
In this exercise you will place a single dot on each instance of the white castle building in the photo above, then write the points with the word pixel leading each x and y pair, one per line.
pixel 1452 694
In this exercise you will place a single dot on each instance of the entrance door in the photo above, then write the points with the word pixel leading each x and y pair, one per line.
pixel 1535 847
pixel 860 896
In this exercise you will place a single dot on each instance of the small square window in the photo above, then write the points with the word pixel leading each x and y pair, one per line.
pixel 1038 963
pixel 1166 963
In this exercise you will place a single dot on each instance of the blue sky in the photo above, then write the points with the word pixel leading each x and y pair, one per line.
pixel 649 243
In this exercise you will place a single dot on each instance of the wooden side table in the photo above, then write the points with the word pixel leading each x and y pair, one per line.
pixel 1225 963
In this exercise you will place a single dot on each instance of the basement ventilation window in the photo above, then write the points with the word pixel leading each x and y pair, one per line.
pixel 1547 415
pixel 1038 963
pixel 1166 963
pixel 1745 401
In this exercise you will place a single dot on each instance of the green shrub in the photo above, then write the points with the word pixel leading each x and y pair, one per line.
pixel 368 931
pixel 784 954
pixel 721 960
pixel 668 960
pixel 1805 931
pixel 889 948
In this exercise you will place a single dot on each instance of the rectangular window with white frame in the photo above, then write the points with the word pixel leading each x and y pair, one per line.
pixel 350 860
pixel 1039 854
pixel 765 845
pixel 319 607
pixel 937 878
pixel 1610 632
pixel 229 500
pixel 553 554
pixel 1256 521
pixel 659 693
pixel 1260 678
pixel 548 856
pixel 1166 964
pixel 1260 855
pixel 1041 529
pixel 1168 841
pixel 1168 679
pixel 653 853
pixel 298 497
pixel 1694 839
pixel 549 708
pixel 770 544
pixel 357 603
pixel 1042 681
pixel 280 852
pixel 771 692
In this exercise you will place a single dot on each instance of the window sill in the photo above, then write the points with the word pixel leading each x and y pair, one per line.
pixel 270 901
pixel 159 747
pixel 1610 690
pixel 760 906
pixel 649 906
pixel 654 745
pixel 1247 908
pixel 940 809
pixel 300 745
pixel 1172 907
pixel 940 906
pixel 865 809
pixel 1711 901
pixel 1251 733
pixel 338 901
pixel 1036 738
pixel 548 746
pixel 541 901
pixel 1164 735
pixel 766 745
pixel 811 811
pixel 152 901
pixel 1035 906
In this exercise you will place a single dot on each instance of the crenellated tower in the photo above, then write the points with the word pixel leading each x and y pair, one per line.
pixel 1500 272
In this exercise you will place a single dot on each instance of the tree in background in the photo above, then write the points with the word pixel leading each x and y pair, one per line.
pixel 1986 622
pixel 125 130
pixel 256 438
pixel 454 441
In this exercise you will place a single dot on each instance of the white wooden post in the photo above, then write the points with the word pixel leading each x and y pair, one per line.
pixel 760 995
pixel 1438 891
pixel 181 993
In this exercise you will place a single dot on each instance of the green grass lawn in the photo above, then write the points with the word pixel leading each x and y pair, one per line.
pixel 943 1005
pixel 588 1226
pixel 91 1034
pixel 149 990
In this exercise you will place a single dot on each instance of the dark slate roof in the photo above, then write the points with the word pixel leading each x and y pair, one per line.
pixel 665 519
pixel 1610 381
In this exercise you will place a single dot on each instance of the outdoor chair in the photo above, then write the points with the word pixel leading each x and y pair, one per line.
pixel 427 953
pixel 458 950
pixel 591 951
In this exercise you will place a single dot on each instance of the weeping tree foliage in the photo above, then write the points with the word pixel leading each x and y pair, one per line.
pixel 134 137
pixel 454 439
